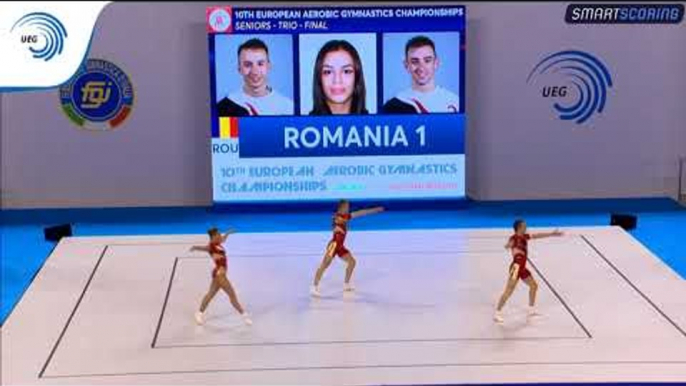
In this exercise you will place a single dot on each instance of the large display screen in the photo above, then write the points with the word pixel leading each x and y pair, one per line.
pixel 337 102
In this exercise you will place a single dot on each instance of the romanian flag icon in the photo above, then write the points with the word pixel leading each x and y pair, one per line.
pixel 228 127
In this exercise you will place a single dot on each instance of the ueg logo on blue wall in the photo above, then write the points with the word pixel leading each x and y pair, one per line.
pixel 98 97
pixel 42 33
pixel 575 82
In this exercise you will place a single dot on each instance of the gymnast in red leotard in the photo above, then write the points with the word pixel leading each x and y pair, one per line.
pixel 336 246
pixel 518 244
pixel 217 251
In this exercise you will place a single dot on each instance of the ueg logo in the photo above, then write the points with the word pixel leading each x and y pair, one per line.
pixel 42 33
pixel 576 83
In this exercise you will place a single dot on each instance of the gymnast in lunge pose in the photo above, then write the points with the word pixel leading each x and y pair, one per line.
pixel 217 251
pixel 517 244
pixel 336 246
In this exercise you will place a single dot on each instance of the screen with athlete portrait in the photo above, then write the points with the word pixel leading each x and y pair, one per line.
pixel 328 103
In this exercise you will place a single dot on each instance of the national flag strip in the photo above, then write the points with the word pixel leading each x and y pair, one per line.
pixel 228 127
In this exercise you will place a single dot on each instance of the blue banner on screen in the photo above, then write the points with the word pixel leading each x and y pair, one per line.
pixel 350 136
pixel 337 102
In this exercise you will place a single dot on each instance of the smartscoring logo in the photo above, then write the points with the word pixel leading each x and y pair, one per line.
pixel 99 97
pixel 43 33
pixel 624 13
pixel 577 81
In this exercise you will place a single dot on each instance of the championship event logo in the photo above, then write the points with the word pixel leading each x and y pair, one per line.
pixel 219 19
pixel 98 97
pixel 576 81
pixel 43 33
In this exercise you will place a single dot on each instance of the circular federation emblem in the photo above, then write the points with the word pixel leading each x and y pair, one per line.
pixel 98 97
pixel 220 20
